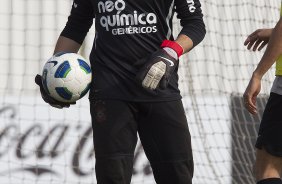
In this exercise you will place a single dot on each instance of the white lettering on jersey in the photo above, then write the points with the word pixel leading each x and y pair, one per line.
pixel 191 6
pixel 74 5
pixel 109 6
pixel 136 22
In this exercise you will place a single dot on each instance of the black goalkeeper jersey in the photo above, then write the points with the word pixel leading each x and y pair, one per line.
pixel 127 31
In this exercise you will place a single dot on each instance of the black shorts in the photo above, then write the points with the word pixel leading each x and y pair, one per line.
pixel 270 131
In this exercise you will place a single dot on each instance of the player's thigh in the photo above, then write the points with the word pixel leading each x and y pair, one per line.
pixel 114 127
pixel 164 132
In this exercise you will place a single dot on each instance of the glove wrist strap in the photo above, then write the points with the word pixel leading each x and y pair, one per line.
pixel 171 52
pixel 173 45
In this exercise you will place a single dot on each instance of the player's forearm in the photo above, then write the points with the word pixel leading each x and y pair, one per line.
pixel 273 51
pixel 65 44
pixel 185 42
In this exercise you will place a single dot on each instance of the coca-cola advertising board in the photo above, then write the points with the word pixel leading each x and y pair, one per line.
pixel 41 144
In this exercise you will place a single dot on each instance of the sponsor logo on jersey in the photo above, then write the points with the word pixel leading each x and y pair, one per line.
pixel 115 20
pixel 191 6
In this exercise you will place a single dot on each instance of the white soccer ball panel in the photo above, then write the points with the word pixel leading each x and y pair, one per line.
pixel 82 88
pixel 73 86
pixel 81 76
pixel 71 75
pixel 66 77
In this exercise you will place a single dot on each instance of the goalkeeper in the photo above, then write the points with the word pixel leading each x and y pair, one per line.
pixel 134 88
pixel 268 165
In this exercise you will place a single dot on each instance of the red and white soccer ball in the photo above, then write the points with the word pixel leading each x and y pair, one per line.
pixel 66 77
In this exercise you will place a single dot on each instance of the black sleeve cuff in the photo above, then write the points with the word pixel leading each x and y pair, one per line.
pixel 196 31
pixel 73 34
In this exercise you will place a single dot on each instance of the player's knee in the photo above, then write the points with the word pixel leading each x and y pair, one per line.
pixel 180 171
pixel 175 167
pixel 114 163
pixel 114 168
pixel 114 156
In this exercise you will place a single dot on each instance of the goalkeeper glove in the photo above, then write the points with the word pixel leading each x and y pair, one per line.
pixel 47 98
pixel 159 66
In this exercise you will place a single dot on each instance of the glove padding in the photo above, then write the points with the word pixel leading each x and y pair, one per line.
pixel 157 70
pixel 47 98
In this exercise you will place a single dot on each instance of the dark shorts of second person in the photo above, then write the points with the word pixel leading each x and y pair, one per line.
pixel 270 130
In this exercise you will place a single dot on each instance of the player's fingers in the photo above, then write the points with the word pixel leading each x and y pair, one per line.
pixel 154 84
pixel 250 45
pixel 157 77
pixel 262 45
pixel 251 38
pixel 151 77
pixel 147 81
pixel 248 40
pixel 249 104
pixel 250 107
pixel 38 79
pixel 257 43
pixel 154 75
pixel 57 106
pixel 252 110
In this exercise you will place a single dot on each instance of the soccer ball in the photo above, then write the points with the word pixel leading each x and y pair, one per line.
pixel 66 77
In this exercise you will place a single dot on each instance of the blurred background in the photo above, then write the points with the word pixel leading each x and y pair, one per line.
pixel 41 144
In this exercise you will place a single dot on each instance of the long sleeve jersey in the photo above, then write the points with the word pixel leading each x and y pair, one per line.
pixel 126 32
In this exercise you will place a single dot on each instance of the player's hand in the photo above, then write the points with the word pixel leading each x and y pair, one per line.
pixel 47 98
pixel 160 65
pixel 157 70
pixel 251 93
pixel 258 39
